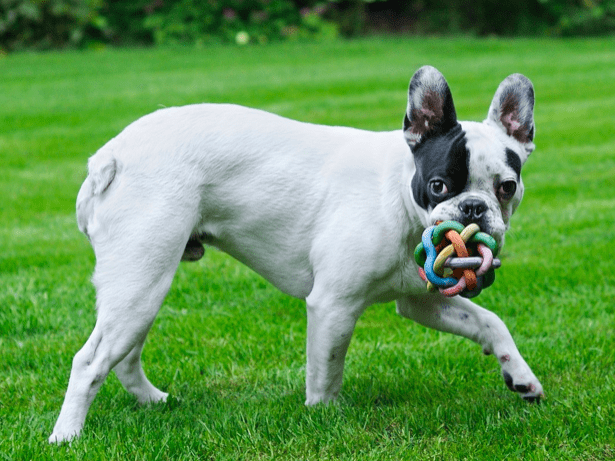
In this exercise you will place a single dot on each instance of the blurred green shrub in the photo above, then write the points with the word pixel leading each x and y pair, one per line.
pixel 582 17
pixel 49 23
pixel 125 21
pixel 42 24
pixel 238 21
pixel 477 17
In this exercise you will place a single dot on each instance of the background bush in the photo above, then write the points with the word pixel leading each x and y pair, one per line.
pixel 240 21
pixel 49 23
pixel 42 24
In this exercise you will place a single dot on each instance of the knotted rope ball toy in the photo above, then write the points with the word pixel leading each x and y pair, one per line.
pixel 457 260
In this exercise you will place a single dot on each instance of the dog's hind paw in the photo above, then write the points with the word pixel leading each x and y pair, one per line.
pixel 60 437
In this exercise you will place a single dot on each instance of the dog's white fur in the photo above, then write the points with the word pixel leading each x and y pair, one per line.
pixel 324 213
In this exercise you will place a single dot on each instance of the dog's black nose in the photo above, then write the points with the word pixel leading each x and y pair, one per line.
pixel 472 210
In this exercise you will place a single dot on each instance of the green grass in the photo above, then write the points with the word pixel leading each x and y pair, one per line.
pixel 230 349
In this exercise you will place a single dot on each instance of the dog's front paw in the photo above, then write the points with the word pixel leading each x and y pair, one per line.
pixel 526 385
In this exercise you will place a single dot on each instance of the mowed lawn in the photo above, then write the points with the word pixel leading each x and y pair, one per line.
pixel 230 349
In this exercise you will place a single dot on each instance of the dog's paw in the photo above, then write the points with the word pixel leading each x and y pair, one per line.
pixel 527 386
pixel 152 396
pixel 59 437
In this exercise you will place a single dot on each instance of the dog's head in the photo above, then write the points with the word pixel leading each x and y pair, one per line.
pixel 468 171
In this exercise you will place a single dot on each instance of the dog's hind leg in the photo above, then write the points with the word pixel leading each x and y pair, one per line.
pixel 130 373
pixel 125 316
pixel 135 265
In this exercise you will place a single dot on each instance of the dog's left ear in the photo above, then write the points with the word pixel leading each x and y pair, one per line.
pixel 512 110
pixel 430 106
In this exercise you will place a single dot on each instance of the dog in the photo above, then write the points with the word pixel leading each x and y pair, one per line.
pixel 327 214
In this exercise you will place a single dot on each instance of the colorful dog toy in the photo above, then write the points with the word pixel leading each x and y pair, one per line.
pixel 466 274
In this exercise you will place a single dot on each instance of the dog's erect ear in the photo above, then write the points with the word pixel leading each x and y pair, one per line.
pixel 512 110
pixel 430 106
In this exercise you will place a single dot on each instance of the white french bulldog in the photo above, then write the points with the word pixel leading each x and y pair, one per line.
pixel 328 214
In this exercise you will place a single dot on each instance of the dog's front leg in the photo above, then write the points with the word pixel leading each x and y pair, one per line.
pixel 330 327
pixel 462 317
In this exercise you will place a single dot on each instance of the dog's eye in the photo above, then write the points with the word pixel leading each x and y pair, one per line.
pixel 506 190
pixel 438 187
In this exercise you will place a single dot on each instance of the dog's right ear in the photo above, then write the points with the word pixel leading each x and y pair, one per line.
pixel 430 106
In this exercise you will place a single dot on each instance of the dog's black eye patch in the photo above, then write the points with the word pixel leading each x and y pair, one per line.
pixel 513 161
pixel 443 158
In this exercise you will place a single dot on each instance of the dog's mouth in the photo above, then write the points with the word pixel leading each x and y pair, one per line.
pixel 483 227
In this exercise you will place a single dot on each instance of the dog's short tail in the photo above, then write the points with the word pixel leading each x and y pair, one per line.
pixel 102 169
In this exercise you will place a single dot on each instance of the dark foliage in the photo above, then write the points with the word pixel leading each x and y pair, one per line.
pixel 43 24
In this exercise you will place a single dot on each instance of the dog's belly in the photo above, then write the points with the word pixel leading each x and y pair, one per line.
pixel 288 269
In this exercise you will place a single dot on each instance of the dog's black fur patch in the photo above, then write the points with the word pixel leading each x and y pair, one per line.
pixel 514 161
pixel 443 157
